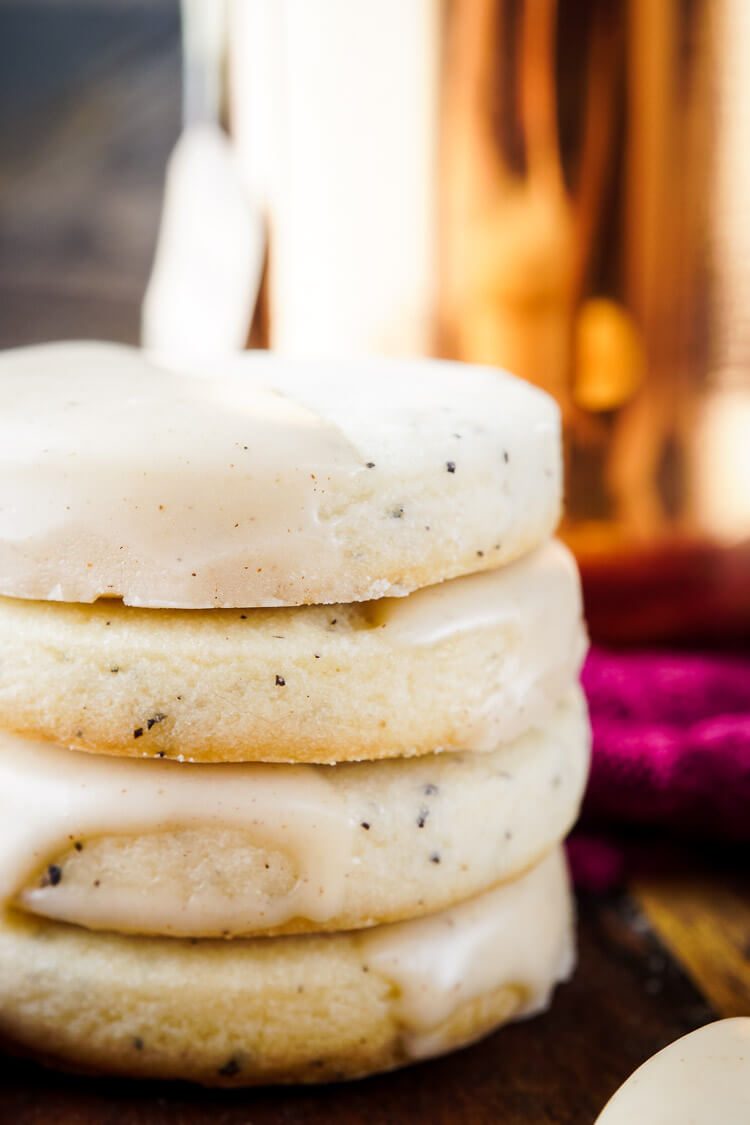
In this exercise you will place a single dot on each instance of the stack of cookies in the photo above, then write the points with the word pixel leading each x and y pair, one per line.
pixel 291 730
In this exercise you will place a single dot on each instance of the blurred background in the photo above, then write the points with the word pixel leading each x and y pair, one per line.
pixel 557 188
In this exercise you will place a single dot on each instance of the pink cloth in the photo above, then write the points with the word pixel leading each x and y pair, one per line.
pixel 671 751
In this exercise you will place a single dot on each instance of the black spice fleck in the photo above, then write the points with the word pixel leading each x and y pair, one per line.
pixel 78 846
pixel 450 466
pixel 334 620
pixel 435 857
pixel 157 718
pixel 424 812
pixel 115 668
pixel 480 554
pixel 138 732
pixel 365 824
pixel 243 617
pixel 506 456
pixel 161 753
pixel 52 876
pixel 230 1068
pixel 370 464
pixel 280 681
pixel 138 1043
pixel 397 513
pixel 430 789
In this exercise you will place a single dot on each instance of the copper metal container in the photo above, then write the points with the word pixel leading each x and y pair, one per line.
pixel 596 239
pixel 583 168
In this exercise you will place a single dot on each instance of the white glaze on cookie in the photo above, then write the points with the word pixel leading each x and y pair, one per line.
pixel 224 850
pixel 247 1011
pixel 701 1079
pixel 470 663
pixel 67 795
pixel 271 482
pixel 508 938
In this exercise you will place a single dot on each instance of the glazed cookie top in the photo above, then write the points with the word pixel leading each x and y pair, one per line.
pixel 263 481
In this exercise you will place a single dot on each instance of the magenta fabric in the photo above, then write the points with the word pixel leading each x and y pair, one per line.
pixel 671 751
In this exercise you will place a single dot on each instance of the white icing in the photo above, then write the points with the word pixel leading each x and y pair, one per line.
pixel 537 603
pixel 701 1079
pixel 486 815
pixel 517 936
pixel 62 796
pixel 519 594
pixel 119 477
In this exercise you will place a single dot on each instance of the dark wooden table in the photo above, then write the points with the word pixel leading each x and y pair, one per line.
pixel 89 95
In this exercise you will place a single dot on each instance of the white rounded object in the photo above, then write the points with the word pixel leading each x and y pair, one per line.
pixel 310 1008
pixel 216 850
pixel 272 482
pixel 701 1079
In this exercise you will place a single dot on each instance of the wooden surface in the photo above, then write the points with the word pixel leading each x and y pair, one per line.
pixel 88 111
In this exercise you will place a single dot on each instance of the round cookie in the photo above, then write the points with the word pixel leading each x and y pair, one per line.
pixel 702 1078
pixel 293 1009
pixel 205 851
pixel 469 663
pixel 262 481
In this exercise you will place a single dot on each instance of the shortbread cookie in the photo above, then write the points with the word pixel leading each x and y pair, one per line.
pixel 163 848
pixel 290 1009
pixel 469 663
pixel 263 481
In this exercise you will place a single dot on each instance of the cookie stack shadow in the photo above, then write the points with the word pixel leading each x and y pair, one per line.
pixel 291 727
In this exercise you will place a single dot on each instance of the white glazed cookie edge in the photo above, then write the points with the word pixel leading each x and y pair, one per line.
pixel 296 1009
pixel 208 851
